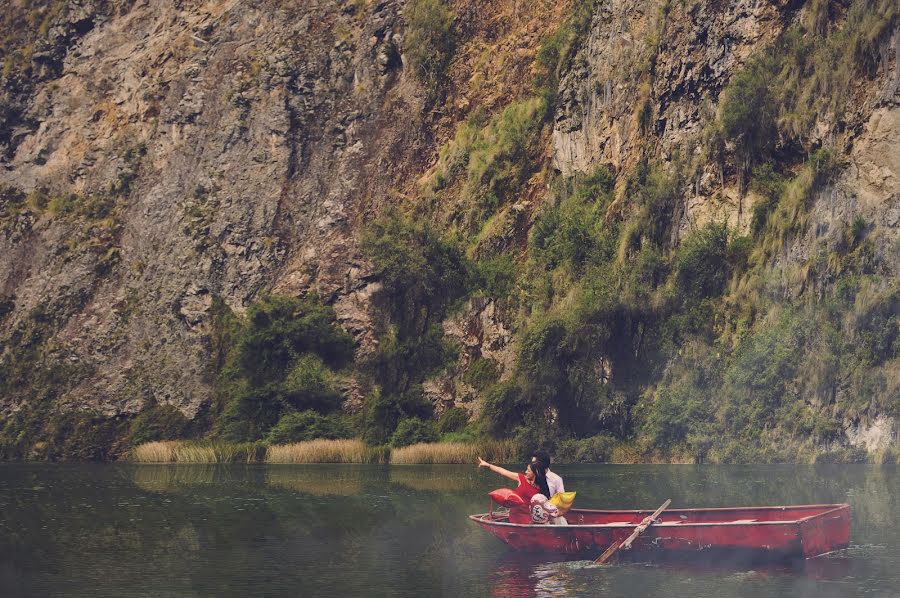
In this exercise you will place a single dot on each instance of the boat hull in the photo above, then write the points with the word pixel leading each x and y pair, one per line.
pixel 759 533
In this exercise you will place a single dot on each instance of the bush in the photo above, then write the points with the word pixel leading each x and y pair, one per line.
pixel 384 411
pixel 308 425
pixel 310 385
pixel 701 268
pixel 429 38
pixel 453 419
pixel 160 422
pixel 748 113
pixel 596 449
pixel 280 329
pixel 413 431
pixel 495 276
pixel 482 373
pixel 278 358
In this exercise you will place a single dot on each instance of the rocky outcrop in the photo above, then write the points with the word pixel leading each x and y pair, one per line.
pixel 240 144
pixel 673 59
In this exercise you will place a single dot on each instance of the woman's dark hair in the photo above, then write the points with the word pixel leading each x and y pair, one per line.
pixel 540 477
pixel 543 457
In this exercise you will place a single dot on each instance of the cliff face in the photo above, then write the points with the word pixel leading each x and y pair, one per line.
pixel 238 145
pixel 160 154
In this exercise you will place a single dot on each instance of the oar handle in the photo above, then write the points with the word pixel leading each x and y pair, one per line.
pixel 643 526
pixel 637 531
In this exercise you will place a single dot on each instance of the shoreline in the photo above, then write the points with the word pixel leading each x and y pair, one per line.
pixel 355 451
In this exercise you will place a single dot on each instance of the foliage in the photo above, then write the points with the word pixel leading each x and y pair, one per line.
pixel 453 419
pixel 413 431
pixel 594 449
pixel 423 276
pixel 558 48
pixel 159 422
pixel 482 373
pixel 747 112
pixel 491 159
pixel 429 38
pixel 281 357
pixel 296 426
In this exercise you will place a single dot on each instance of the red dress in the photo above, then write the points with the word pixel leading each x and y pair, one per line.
pixel 522 513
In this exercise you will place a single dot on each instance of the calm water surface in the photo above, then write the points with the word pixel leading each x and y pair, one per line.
pixel 123 530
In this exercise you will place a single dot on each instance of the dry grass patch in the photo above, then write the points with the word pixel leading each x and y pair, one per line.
pixel 326 451
pixel 454 452
pixel 155 452
pixel 174 451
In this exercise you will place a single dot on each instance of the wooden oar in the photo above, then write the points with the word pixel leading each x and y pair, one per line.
pixel 637 532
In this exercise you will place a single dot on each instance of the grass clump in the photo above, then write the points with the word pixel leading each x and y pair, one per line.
pixel 327 451
pixel 173 451
pixel 429 38
pixel 455 452
pixel 161 451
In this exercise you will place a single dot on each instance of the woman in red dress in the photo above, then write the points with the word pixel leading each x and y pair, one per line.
pixel 533 481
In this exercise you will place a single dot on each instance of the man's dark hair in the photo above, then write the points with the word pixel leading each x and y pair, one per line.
pixel 543 457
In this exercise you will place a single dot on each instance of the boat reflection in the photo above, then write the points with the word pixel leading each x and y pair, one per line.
pixel 519 574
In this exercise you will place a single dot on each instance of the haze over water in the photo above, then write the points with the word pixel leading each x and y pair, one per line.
pixel 341 530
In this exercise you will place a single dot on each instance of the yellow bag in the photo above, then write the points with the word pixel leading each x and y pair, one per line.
pixel 563 501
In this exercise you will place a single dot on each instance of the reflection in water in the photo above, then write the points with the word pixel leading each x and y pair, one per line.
pixel 435 478
pixel 315 481
pixel 169 478
pixel 339 530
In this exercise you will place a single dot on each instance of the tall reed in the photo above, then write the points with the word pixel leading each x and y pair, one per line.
pixel 327 451
pixel 155 452
pixel 174 451
pixel 502 451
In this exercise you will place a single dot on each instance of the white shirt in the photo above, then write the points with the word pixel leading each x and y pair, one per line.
pixel 554 484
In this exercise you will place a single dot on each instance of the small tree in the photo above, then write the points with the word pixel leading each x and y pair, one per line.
pixel 748 116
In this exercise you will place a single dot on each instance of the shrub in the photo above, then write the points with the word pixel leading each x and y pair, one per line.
pixel 701 268
pixel 429 38
pixel 160 422
pixel 297 426
pixel 384 411
pixel 452 420
pixel 310 385
pixel 747 112
pixel 280 329
pixel 495 276
pixel 596 449
pixel 413 431
pixel 278 358
pixel 482 373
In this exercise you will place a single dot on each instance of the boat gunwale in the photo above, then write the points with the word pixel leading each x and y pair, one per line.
pixel 481 517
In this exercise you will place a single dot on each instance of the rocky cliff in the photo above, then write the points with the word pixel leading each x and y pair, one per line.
pixel 159 155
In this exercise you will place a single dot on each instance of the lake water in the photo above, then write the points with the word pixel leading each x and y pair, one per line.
pixel 346 530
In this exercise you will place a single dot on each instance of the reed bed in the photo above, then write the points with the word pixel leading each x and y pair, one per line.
pixel 327 451
pixel 322 451
pixel 174 451
pixel 155 452
pixel 455 452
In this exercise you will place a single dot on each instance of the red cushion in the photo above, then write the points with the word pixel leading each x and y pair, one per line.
pixel 506 497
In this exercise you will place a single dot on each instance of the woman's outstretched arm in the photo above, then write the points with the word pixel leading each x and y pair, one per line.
pixel 497 469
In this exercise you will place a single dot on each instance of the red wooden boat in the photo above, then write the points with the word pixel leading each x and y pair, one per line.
pixel 760 533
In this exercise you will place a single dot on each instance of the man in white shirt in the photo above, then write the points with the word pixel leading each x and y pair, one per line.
pixel 554 482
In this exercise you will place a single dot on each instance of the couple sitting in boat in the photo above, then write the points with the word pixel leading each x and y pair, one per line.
pixel 537 486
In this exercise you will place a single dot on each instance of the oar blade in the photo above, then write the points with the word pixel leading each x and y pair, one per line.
pixel 607 553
